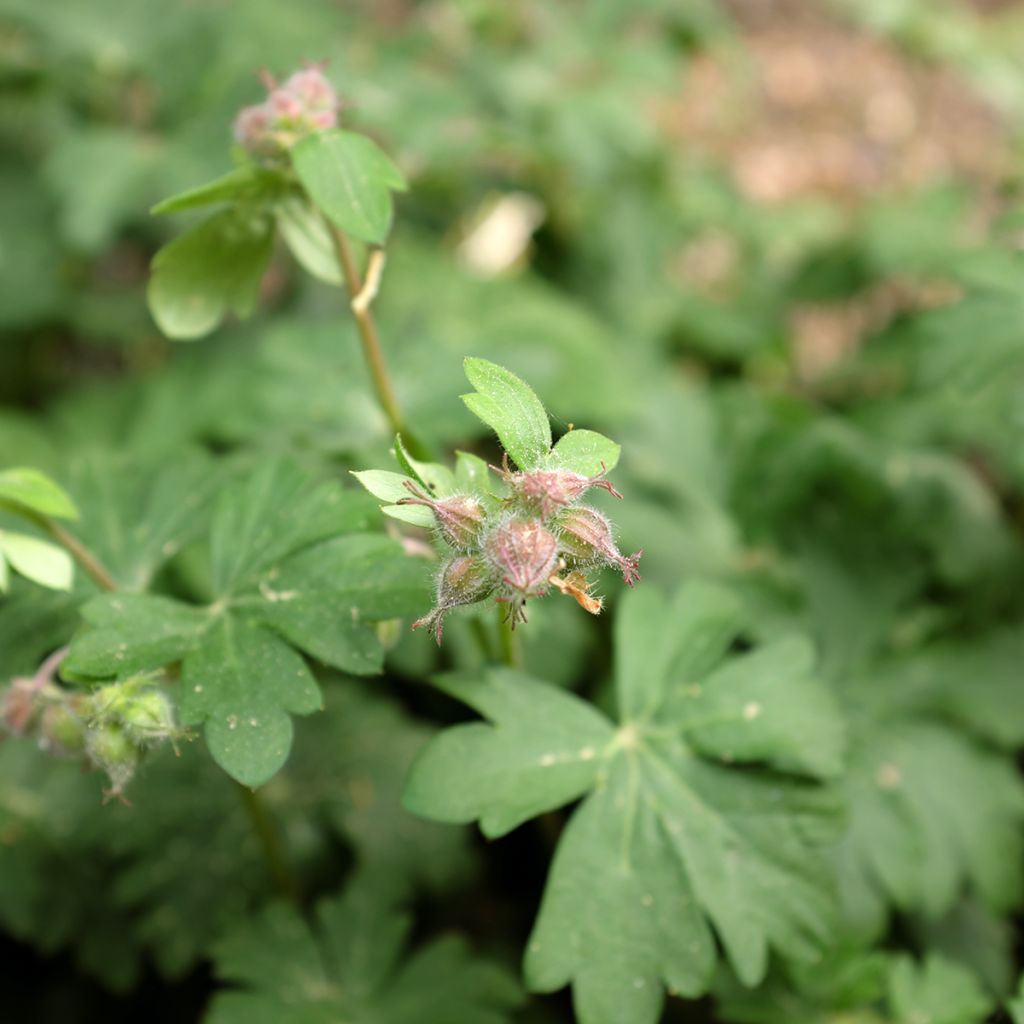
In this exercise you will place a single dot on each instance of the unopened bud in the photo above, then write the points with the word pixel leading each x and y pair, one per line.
pixel 460 581
pixel 148 718
pixel 110 748
pixel 552 489
pixel 458 517
pixel 304 104
pixel 18 705
pixel 586 537
pixel 524 554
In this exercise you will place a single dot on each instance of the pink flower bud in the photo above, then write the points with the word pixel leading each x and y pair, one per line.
pixel 461 580
pixel 585 536
pixel 552 489
pixel 312 90
pixel 252 125
pixel 284 106
pixel 525 555
pixel 458 517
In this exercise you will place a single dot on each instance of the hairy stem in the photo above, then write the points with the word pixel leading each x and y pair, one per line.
pixel 359 303
pixel 273 852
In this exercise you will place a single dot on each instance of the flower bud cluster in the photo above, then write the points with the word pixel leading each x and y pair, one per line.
pixel 303 104
pixel 517 547
pixel 110 728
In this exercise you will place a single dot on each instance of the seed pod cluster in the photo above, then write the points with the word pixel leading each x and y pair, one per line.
pixel 517 547
pixel 110 728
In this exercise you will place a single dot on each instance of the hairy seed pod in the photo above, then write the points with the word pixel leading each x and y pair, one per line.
pixel 549 490
pixel 585 537
pixel 459 517
pixel 461 580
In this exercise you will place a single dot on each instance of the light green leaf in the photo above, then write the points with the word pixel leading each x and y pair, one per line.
pixel 4 574
pixel 585 452
pixel 472 475
pixel 30 489
pixel 509 406
pixel 304 232
pixel 211 270
pixel 436 479
pixel 351 179
pixel 937 991
pixel 673 837
pixel 349 968
pixel 388 486
pixel 249 183
pixel 38 560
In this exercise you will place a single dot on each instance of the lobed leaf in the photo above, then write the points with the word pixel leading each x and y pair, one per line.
pixel 585 452
pixel 675 837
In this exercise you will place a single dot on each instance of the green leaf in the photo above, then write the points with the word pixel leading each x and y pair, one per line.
pixel 133 633
pixel 388 486
pixel 304 232
pixel 211 270
pixel 272 512
pixel 37 560
pixel 585 452
pixel 249 182
pixel 938 991
pixel 436 479
pixel 351 179
pixel 674 835
pixel 928 811
pixel 1016 1006
pixel 349 967
pixel 509 406
pixel 241 680
pixel 472 475
pixel 29 489
pixel 4 574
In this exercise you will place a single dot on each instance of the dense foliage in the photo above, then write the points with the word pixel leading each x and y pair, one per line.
pixel 777 780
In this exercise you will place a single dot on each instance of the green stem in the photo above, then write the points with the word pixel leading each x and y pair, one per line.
pixel 273 852
pixel 508 641
pixel 370 339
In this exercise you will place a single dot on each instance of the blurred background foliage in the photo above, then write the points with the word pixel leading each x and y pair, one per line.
pixel 771 246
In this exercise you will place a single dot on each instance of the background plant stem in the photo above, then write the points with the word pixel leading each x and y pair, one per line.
pixel 270 843
pixel 370 339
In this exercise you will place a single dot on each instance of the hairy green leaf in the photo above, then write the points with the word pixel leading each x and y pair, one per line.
pixel 511 409
pixel 28 488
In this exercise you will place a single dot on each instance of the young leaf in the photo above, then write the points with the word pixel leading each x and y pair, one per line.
pixel 509 406
pixel 388 486
pixel 351 179
pixel 29 489
pixel 438 480
pixel 348 967
pixel 673 837
pixel 247 183
pixel 37 560
pixel 585 452
pixel 938 991
pixel 211 270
